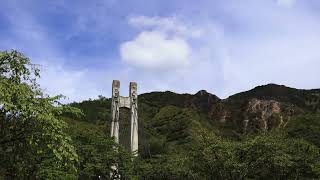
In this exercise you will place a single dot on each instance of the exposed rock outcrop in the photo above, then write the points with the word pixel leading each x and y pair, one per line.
pixel 264 114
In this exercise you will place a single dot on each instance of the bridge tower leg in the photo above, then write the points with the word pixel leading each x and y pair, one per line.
pixel 115 110
pixel 134 118
pixel 115 104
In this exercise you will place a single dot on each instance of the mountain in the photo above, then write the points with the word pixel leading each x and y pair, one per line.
pixel 167 118
pixel 213 137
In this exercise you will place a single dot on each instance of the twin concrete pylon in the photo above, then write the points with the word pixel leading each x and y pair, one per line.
pixel 130 102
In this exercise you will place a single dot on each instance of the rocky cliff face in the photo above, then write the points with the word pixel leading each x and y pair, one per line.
pixel 262 108
pixel 266 114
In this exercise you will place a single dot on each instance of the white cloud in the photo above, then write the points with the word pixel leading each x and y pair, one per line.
pixel 163 43
pixel 286 3
pixel 156 50
pixel 170 24
pixel 172 45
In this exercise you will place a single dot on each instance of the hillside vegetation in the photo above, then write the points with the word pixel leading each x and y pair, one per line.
pixel 184 136
pixel 269 132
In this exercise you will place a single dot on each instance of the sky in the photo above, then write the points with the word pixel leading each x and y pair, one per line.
pixel 222 46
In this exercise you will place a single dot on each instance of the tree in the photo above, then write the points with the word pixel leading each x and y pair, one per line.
pixel 33 143
pixel 274 156
pixel 96 150
pixel 212 157
pixel 307 127
pixel 269 155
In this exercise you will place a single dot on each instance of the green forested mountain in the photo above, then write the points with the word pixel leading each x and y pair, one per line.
pixel 272 117
pixel 269 132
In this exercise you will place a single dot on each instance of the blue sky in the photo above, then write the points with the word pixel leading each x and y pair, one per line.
pixel 223 46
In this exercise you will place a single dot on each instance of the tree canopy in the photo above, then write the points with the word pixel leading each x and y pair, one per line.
pixel 32 137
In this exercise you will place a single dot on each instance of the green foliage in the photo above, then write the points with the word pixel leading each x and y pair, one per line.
pixel 97 110
pixel 161 99
pixel 162 167
pixel 212 157
pixel 33 143
pixel 265 156
pixel 97 152
pixel 273 156
pixel 306 127
pixel 173 123
pixel 168 134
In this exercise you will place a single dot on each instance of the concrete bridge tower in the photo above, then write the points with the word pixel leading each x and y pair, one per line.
pixel 131 103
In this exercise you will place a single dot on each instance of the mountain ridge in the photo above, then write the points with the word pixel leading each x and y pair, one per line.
pixel 263 107
pixel 301 100
pixel 269 85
